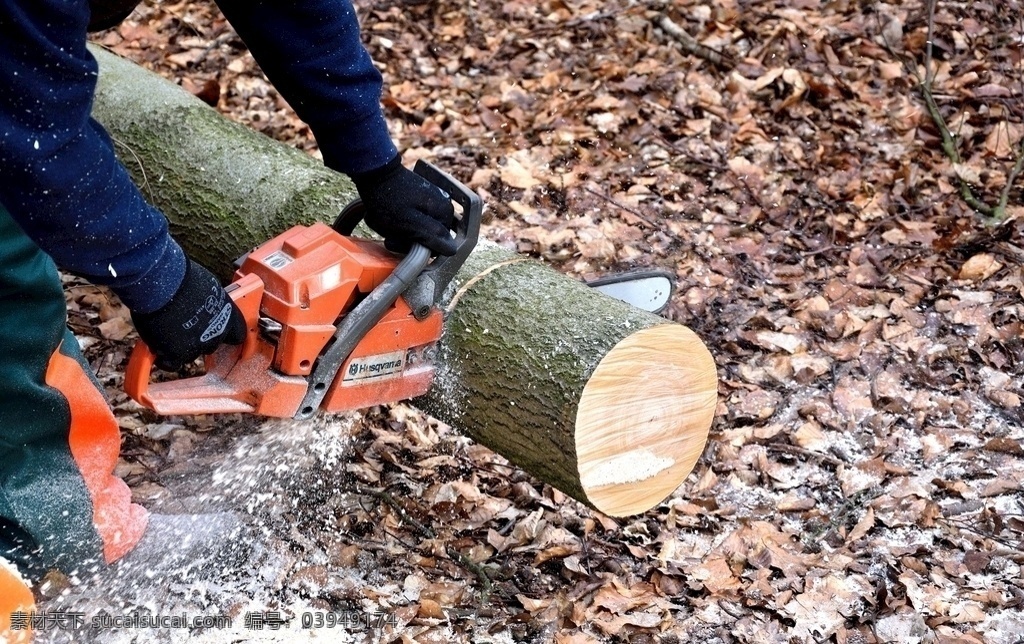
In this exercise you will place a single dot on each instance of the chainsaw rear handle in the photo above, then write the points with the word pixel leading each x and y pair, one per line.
pixel 433 280
pixel 197 394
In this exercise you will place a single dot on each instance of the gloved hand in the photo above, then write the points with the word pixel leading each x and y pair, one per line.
pixel 198 319
pixel 403 207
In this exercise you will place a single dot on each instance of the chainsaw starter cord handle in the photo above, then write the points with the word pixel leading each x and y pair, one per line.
pixel 363 317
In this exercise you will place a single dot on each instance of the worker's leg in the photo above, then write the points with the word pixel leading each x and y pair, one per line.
pixel 60 505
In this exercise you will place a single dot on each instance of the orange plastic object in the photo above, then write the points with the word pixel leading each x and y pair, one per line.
pixel 16 606
pixel 370 377
pixel 301 283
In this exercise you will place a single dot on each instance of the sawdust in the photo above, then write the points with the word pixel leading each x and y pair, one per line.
pixel 629 467
pixel 267 479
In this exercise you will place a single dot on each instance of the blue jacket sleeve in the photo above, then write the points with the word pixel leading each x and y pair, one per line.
pixel 311 51
pixel 59 177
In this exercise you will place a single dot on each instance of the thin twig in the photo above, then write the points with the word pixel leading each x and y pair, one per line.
pixel 475 568
pixel 929 76
pixel 949 146
pixel 826 249
pixel 962 524
pixel 948 143
pixel 402 512
pixel 399 539
pixel 692 45
pixel 631 211
pixel 800 451
pixel 717 167
pixel 463 560
pixel 1018 167
pixel 222 39
pixel 994 214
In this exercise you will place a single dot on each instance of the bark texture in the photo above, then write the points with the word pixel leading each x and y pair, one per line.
pixel 521 341
pixel 224 187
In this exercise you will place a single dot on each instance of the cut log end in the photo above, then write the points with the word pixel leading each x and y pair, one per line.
pixel 643 418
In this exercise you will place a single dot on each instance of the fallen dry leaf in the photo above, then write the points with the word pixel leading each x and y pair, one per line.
pixel 116 328
pixel 980 267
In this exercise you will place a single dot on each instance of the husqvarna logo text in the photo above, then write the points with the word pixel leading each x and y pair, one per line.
pixel 380 367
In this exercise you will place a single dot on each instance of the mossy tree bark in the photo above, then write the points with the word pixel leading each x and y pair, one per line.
pixel 224 187
pixel 607 403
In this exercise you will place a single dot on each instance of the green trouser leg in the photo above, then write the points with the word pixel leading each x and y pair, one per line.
pixel 47 505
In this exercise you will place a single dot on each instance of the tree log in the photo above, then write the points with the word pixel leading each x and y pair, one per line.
pixel 607 403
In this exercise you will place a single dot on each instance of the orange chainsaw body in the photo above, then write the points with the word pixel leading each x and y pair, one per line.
pixel 292 291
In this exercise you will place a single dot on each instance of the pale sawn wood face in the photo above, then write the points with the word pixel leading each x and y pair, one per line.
pixel 644 418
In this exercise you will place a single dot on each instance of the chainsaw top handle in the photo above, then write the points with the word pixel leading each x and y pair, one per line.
pixel 434 279
pixel 422 283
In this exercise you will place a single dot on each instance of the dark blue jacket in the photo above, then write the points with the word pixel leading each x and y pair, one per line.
pixel 58 174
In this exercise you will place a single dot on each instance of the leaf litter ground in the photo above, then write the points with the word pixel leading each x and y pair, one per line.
pixel 863 478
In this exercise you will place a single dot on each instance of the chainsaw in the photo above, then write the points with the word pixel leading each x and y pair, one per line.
pixel 333 322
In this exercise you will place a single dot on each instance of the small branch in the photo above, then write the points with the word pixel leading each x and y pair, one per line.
pixel 1018 167
pixel 398 539
pixel 948 143
pixel 928 75
pixel 402 512
pixel 964 525
pixel 631 211
pixel 1004 196
pixel 476 569
pixel 950 149
pixel 995 214
pixel 463 560
pixel 691 45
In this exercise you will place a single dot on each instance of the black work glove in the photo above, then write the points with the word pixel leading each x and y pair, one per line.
pixel 198 319
pixel 403 208
pixel 105 14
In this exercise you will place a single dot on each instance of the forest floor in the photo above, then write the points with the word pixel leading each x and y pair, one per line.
pixel 863 480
